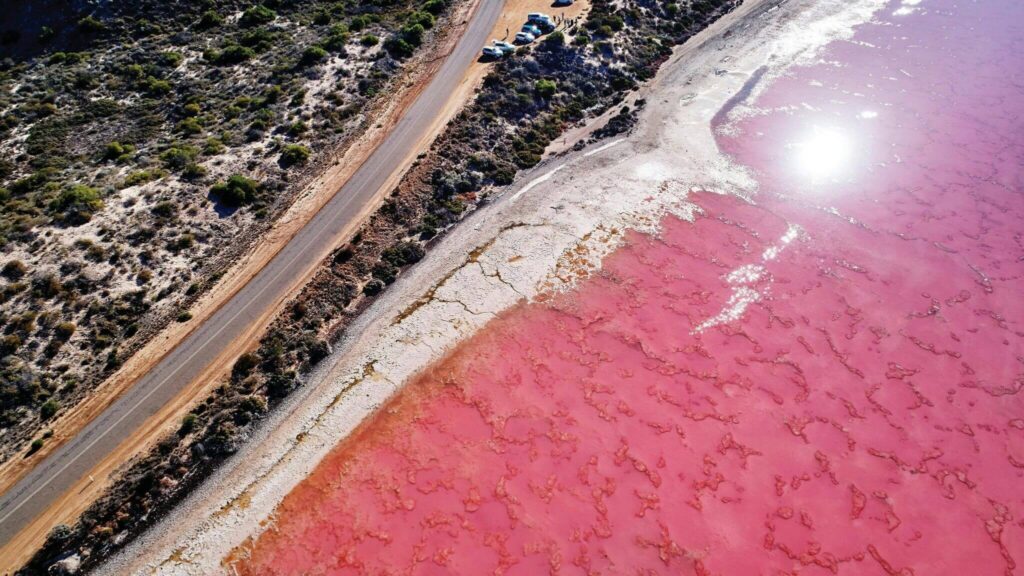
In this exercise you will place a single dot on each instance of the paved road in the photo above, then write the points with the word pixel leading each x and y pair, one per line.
pixel 57 473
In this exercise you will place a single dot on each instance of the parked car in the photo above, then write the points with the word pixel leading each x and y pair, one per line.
pixel 563 2
pixel 505 47
pixel 492 52
pixel 532 30
pixel 524 38
pixel 534 17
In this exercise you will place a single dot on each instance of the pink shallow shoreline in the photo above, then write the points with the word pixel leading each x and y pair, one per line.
pixel 860 414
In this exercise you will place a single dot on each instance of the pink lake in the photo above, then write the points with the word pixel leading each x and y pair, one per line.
pixel 826 380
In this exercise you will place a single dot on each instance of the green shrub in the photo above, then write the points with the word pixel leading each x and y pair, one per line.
pixel 36 446
pixel 293 154
pixel 358 23
pixel 48 409
pixel 545 88
pixel 402 254
pixel 237 191
pixel 118 151
pixel 154 86
pixel 212 147
pixel 260 39
pixel 170 59
pixel 184 316
pixel 312 55
pixel 253 404
pixel 193 172
pixel 424 19
pixel 91 25
pixel 209 19
pixel 190 127
pixel 554 40
pixel 385 272
pixel 435 7
pixel 335 42
pixel 233 54
pixel 256 15
pixel 369 40
pixel 141 177
pixel 188 424
pixel 164 209
pixel 179 156
pixel 244 365
pixel 76 205
pixel 373 287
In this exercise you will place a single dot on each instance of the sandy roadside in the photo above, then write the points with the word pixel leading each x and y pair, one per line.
pixel 313 197
pixel 547 230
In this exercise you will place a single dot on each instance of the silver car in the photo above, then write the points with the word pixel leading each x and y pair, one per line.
pixel 505 47
pixel 525 38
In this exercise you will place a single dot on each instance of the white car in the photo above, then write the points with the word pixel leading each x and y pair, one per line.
pixel 505 47
pixel 534 17
pixel 492 52
pixel 525 38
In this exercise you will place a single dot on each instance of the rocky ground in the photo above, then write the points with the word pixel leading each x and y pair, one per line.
pixel 144 147
pixel 550 228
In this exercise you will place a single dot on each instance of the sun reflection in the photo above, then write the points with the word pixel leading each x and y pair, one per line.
pixel 823 154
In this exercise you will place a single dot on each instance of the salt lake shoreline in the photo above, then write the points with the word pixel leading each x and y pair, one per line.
pixel 548 230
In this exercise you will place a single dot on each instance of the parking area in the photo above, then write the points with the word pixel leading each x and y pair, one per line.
pixel 516 27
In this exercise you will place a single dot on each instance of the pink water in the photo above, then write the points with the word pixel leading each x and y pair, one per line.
pixel 859 413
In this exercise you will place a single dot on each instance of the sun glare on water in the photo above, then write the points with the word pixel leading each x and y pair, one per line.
pixel 823 154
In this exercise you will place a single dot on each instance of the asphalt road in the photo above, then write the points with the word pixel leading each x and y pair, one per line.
pixel 58 472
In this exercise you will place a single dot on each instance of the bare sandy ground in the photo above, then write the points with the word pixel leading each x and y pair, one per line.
pixel 545 232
